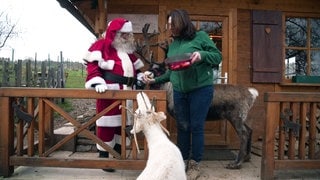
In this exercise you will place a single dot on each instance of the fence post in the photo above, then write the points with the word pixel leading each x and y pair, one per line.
pixel 43 77
pixel 51 81
pixel 28 73
pixel 18 72
pixel 5 77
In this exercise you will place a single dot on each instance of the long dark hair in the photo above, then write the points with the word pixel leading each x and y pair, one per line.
pixel 180 20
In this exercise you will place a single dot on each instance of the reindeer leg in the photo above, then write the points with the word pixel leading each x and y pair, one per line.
pixel 248 155
pixel 243 134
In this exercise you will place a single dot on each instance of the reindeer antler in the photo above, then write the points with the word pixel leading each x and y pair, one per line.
pixel 143 48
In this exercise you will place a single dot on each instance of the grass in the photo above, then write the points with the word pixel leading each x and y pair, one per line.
pixel 75 79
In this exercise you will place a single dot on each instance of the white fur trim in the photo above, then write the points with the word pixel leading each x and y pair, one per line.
pixel 138 64
pixel 127 27
pixel 125 87
pixel 126 64
pixel 109 121
pixel 107 65
pixel 93 56
pixel 94 80
pixel 110 143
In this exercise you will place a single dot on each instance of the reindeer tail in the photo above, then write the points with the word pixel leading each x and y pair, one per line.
pixel 254 92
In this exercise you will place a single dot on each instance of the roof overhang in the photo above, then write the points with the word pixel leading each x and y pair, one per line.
pixel 73 10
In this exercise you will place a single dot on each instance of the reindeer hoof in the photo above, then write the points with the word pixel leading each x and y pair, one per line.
pixel 233 166
pixel 247 158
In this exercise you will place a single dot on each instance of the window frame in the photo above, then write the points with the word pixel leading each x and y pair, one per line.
pixel 224 75
pixel 308 48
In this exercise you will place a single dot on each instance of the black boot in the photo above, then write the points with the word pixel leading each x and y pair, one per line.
pixel 117 148
pixel 104 154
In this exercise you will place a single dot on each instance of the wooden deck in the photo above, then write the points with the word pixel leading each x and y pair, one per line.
pixel 211 170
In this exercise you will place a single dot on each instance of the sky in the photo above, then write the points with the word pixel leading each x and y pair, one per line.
pixel 45 29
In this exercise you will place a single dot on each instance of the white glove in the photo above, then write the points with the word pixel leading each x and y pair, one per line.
pixel 140 76
pixel 100 88
pixel 149 74
pixel 148 77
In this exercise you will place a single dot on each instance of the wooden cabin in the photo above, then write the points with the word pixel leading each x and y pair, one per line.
pixel 272 45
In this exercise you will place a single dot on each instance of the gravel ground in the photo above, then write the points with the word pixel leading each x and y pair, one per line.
pixel 82 108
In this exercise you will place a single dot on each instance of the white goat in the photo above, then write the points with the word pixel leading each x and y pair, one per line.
pixel 164 160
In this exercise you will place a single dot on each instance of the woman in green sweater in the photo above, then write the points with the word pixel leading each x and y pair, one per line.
pixel 192 87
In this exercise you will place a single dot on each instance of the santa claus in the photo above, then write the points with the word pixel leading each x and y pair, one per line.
pixel 111 64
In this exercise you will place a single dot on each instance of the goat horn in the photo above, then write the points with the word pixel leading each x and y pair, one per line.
pixel 135 137
pixel 134 127
pixel 145 103
pixel 127 109
pixel 152 103
pixel 164 129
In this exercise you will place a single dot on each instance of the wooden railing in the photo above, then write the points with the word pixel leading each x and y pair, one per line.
pixel 35 147
pixel 290 132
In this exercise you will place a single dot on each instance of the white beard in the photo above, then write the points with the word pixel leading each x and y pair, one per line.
pixel 124 45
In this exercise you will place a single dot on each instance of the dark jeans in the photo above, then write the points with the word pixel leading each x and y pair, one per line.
pixel 191 111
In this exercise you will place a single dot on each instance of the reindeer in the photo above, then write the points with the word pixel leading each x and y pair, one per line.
pixel 230 102
pixel 164 160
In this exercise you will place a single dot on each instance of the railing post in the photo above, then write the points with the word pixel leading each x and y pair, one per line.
pixel 48 125
pixel 41 126
pixel 31 127
pixel 267 160
pixel 6 137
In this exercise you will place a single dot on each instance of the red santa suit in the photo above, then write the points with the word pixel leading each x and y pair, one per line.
pixel 103 58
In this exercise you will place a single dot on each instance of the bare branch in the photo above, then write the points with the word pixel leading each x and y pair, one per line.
pixel 7 29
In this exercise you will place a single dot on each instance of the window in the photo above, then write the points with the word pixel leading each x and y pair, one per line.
pixel 214 30
pixel 302 47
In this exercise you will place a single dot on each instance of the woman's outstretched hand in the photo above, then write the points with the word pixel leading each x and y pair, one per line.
pixel 195 56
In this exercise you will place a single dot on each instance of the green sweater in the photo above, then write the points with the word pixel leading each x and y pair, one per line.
pixel 200 74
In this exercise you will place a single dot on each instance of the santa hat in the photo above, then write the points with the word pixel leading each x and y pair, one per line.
pixel 114 26
pixel 104 45
pixel 127 27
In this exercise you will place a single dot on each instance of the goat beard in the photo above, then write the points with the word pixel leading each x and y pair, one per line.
pixel 124 45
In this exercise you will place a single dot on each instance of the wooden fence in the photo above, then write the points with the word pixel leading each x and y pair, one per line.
pixel 291 132
pixel 35 147
pixel 26 74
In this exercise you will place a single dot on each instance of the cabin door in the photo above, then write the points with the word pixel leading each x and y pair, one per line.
pixel 216 132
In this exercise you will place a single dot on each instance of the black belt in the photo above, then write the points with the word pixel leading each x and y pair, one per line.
pixel 129 81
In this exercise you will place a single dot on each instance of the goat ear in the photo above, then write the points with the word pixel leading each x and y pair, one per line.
pixel 160 116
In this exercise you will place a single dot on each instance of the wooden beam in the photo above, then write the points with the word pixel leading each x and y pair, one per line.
pixel 94 163
pixel 6 137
